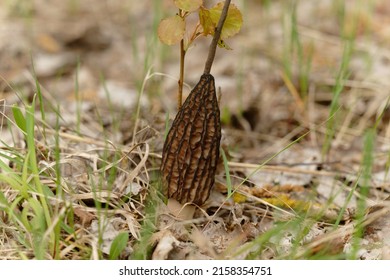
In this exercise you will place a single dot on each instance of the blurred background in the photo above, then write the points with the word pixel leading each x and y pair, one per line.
pixel 283 67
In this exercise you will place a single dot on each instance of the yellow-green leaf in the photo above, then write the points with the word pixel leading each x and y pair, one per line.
pixel 188 5
pixel 206 21
pixel 233 20
pixel 171 30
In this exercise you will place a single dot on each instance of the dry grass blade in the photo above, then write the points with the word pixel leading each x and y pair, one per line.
pixel 191 150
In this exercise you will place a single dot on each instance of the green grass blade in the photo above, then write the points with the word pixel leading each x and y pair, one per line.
pixel 227 172
pixel 39 94
pixel 118 245
pixel 367 163
pixel 19 118
pixel 335 104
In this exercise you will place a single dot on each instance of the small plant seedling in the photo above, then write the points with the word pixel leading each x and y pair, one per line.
pixel 174 30
pixel 191 149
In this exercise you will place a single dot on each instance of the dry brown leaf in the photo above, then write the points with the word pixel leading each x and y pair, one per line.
pixel 84 216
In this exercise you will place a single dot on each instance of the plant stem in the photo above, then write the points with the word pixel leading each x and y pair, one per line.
pixel 181 79
pixel 217 35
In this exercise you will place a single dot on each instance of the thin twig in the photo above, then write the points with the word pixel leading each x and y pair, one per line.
pixel 181 79
pixel 217 35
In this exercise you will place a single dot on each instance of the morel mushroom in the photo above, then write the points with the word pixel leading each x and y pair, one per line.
pixel 191 150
